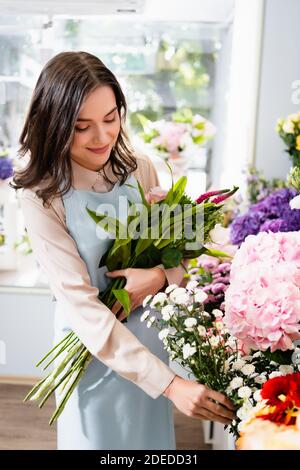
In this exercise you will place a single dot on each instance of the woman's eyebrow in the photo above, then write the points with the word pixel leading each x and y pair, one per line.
pixel 86 119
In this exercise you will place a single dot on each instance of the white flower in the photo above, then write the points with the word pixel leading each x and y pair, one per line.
pixel 158 299
pixel 170 288
pixel 220 235
pixel 261 379
pixel 237 382
pixel 243 412
pixel 248 369
pixel 257 395
pixel 295 202
pixel 176 293
pixel 257 354
pixel 145 315
pixel 163 333
pixel 238 365
pixel 190 308
pixel 190 322
pixel 182 299
pixel 214 341
pixel 200 296
pixel 201 330
pixel 217 313
pixel 149 323
pixel 244 392
pixel 191 285
pixel 146 300
pixel 167 311
pixel 206 314
pixel 219 325
pixel 275 374
pixel 285 369
pixel 188 351
pixel 180 342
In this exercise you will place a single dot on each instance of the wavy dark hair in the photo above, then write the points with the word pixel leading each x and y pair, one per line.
pixel 62 86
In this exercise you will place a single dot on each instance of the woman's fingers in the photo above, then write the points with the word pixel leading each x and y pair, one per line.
pixel 220 398
pixel 219 409
pixel 209 415
pixel 116 307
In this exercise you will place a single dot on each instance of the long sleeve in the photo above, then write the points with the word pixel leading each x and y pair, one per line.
pixel 96 326
pixel 148 178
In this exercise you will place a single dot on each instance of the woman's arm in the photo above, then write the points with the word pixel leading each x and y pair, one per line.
pixel 96 326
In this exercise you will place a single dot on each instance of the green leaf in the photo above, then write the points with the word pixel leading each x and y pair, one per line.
pixel 176 191
pixel 281 357
pixel 171 257
pixel 123 297
pixel 216 253
pixel 109 224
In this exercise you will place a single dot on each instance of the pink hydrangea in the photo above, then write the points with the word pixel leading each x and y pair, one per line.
pixel 262 303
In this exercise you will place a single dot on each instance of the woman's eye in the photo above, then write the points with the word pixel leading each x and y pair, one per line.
pixel 110 120
pixel 80 129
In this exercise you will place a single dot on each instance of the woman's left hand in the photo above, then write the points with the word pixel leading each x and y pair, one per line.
pixel 139 284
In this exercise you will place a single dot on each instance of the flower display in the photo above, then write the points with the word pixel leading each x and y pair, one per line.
pixel 6 165
pixel 201 343
pixel 262 303
pixel 289 130
pixel 272 214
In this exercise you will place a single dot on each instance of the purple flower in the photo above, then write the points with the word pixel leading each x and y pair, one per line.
pixel 272 225
pixel 277 202
pixel 247 224
pixel 6 168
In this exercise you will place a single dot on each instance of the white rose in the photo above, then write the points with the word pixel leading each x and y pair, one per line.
pixel 177 292
pixel 188 351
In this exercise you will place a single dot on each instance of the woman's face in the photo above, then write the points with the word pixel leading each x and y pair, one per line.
pixel 96 130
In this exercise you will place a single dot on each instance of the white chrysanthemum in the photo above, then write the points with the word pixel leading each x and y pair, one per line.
pixel 188 351
pixel 158 299
pixel 245 410
pixel 167 312
pixel 238 365
pixel 248 369
pixel 257 395
pixel 176 293
pixel 217 313
pixel 200 296
pixel 261 379
pixel 170 288
pixel 146 300
pixel 244 392
pixel 190 308
pixel 182 299
pixel 190 322
pixel 237 382
pixel 286 369
pixel 150 322
pixel 145 315
pixel 163 333
pixel 201 330
pixel 191 285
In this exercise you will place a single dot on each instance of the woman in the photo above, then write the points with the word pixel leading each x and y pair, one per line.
pixel 79 155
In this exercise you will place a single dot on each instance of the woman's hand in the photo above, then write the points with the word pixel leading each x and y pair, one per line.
pixel 200 402
pixel 139 284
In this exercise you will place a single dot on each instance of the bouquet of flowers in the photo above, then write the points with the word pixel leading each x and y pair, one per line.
pixel 274 423
pixel 200 342
pixel 172 138
pixel 165 231
pixel 289 131
pixel 273 214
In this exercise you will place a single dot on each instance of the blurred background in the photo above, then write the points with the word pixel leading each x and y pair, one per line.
pixel 206 82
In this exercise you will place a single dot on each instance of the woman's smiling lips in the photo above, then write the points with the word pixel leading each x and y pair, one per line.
pixel 99 150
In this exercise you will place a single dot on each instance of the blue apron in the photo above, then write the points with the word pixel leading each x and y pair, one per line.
pixel 105 410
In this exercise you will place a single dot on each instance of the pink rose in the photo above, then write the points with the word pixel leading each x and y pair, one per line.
pixel 156 194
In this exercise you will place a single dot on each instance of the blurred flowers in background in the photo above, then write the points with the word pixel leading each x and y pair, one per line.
pixel 289 130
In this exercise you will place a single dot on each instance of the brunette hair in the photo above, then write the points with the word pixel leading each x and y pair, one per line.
pixel 63 84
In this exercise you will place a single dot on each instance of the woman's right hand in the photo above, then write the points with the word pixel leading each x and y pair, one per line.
pixel 200 402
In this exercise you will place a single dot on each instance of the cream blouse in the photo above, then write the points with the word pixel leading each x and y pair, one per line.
pixel 101 332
